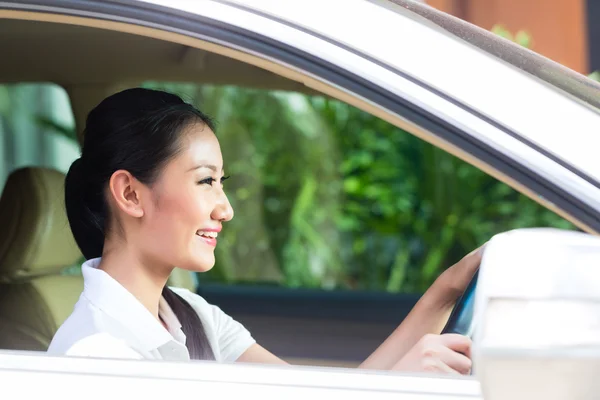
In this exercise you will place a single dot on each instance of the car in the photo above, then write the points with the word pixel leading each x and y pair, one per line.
pixel 511 113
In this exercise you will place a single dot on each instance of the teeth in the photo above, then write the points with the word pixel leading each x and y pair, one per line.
pixel 207 234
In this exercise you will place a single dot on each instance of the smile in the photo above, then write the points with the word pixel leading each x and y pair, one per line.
pixel 208 237
pixel 207 234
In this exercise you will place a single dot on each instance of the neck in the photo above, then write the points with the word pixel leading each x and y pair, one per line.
pixel 142 279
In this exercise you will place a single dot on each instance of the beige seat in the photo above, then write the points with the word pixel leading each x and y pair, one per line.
pixel 36 246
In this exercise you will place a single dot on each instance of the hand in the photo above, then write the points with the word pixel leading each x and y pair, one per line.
pixel 449 353
pixel 407 349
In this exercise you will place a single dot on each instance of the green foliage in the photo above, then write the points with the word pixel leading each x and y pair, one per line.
pixel 410 210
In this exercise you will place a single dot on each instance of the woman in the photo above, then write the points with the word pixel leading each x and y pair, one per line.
pixel 146 196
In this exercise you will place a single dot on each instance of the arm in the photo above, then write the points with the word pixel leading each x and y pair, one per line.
pixel 428 316
pixel 412 345
pixel 387 355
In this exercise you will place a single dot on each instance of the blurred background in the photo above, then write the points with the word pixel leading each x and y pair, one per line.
pixel 344 221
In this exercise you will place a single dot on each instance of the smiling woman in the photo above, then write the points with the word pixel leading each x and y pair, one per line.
pixel 147 196
pixel 115 196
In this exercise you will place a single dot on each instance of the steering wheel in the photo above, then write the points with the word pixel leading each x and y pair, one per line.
pixel 461 318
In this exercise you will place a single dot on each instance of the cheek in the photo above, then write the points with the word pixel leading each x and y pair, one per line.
pixel 180 214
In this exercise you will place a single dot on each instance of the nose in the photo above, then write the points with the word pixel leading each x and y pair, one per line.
pixel 223 211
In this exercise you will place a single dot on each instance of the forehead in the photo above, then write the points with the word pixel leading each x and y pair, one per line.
pixel 200 145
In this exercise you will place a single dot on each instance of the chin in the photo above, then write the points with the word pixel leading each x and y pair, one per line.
pixel 204 264
pixel 204 267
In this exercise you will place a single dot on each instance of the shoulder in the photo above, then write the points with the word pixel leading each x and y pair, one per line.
pixel 90 332
pixel 83 336
pixel 82 322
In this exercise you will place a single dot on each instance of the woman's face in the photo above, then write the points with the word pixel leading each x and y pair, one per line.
pixel 188 206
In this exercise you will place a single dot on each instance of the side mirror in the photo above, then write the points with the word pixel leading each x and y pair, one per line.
pixel 537 308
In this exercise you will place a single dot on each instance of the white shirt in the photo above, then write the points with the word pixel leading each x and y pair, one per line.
pixel 108 321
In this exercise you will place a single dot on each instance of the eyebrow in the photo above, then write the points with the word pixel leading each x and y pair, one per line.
pixel 209 166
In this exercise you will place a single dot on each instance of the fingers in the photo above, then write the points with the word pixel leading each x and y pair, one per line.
pixel 449 353
pixel 457 343
pixel 457 362
pixel 451 350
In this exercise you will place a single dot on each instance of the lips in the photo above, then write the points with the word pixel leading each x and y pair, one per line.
pixel 209 236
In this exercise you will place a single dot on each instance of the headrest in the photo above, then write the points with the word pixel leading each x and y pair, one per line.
pixel 35 237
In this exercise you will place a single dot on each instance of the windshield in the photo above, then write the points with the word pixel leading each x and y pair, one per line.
pixel 576 84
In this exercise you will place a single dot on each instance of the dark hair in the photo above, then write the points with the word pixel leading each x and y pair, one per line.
pixel 137 130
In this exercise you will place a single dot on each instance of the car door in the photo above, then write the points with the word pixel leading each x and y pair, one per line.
pixel 29 374
pixel 393 80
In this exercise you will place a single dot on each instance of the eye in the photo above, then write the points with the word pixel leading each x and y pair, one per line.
pixel 207 181
pixel 223 179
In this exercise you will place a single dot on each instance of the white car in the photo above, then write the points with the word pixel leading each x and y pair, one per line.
pixel 515 115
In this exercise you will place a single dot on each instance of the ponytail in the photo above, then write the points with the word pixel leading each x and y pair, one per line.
pixel 86 211
pixel 137 130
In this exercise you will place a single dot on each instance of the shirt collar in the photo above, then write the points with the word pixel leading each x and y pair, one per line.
pixel 113 299
pixel 171 320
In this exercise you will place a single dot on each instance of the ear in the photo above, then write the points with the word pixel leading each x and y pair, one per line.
pixel 125 191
